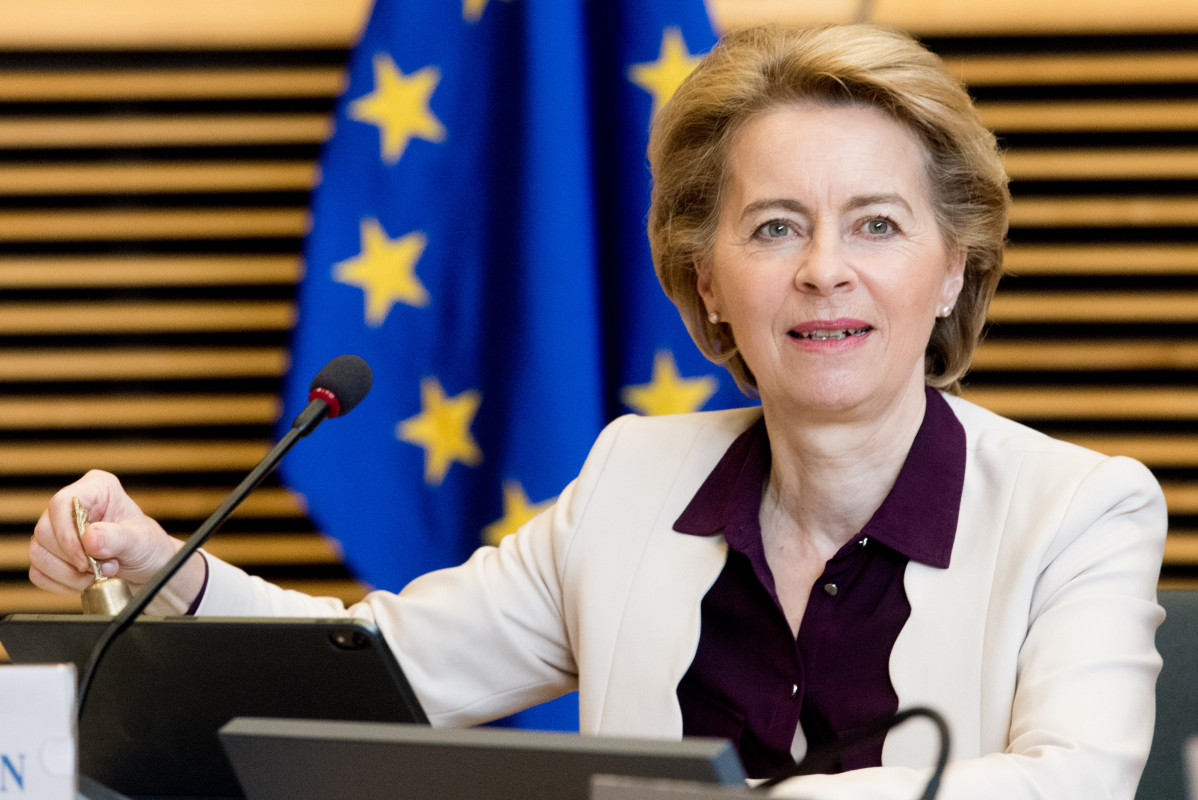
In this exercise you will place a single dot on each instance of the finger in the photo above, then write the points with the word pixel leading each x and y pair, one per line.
pixel 101 496
pixel 138 550
pixel 63 545
pixel 60 527
pixel 104 497
pixel 51 572
pixel 91 491
pixel 52 564
pixel 110 541
pixel 43 581
pixel 50 583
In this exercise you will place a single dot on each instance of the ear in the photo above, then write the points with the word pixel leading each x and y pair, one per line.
pixel 703 281
pixel 954 279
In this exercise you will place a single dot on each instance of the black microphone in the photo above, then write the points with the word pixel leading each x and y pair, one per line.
pixel 335 390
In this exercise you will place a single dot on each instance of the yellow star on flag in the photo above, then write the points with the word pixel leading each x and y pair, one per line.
pixel 399 107
pixel 442 428
pixel 662 77
pixel 472 10
pixel 385 270
pixel 516 511
pixel 667 392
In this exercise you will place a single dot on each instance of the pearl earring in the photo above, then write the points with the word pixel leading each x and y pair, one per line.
pixel 714 317
pixel 944 310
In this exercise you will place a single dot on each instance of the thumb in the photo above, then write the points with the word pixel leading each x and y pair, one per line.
pixel 138 548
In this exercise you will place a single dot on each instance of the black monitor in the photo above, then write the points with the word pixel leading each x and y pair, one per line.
pixel 167 685
pixel 287 759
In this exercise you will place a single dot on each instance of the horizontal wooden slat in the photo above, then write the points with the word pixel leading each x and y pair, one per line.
pixel 181 502
pixel 1079 69
pixel 347 591
pixel 1189 584
pixel 1181 548
pixel 1181 497
pixel 163 130
pixel 209 83
pixel 75 364
pixel 117 317
pixel 318 23
pixel 938 17
pixel 14 552
pixel 1042 401
pixel 1155 450
pixel 135 24
pixel 19 506
pixel 1166 162
pixel 1097 307
pixel 156 177
pixel 1079 116
pixel 274 549
pixel 151 224
pixel 1034 17
pixel 89 272
pixel 54 412
pixel 1083 354
pixel 129 456
pixel 1104 212
pixel 300 81
pixel 1075 259
pixel 24 597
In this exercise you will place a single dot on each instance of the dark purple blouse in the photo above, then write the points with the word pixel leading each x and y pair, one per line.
pixel 754 683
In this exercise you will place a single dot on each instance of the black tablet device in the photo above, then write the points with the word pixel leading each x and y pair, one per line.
pixel 288 759
pixel 167 685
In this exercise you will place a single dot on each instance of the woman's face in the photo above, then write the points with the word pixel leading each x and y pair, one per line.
pixel 828 264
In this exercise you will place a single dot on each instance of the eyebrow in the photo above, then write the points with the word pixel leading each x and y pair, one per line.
pixel 794 206
pixel 878 200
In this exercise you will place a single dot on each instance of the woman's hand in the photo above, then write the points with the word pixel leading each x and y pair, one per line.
pixel 129 544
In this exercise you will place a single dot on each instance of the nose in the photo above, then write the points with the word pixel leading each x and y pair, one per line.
pixel 823 268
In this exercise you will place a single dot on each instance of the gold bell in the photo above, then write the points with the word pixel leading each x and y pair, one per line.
pixel 107 596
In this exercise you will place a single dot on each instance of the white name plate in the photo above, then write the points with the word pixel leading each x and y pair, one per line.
pixel 37 732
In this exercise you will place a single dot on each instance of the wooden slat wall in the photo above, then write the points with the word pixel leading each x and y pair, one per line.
pixel 151 207
pixel 1094 333
pixel 153 189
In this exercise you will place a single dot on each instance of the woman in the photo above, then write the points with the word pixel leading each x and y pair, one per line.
pixel 828 216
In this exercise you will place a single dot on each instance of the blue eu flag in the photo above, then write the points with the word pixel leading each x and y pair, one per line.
pixel 479 238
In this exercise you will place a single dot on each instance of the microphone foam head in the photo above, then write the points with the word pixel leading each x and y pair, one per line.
pixel 342 383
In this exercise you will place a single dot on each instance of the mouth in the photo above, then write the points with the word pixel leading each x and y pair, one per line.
pixel 829 334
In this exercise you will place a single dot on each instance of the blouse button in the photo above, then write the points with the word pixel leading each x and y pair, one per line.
pixel 830 589
pixel 794 689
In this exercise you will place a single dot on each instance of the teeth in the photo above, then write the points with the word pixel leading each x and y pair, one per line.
pixel 829 335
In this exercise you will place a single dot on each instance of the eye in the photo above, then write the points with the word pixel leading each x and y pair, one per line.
pixel 880 226
pixel 775 229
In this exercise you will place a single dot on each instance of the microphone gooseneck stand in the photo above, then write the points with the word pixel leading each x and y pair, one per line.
pixel 335 390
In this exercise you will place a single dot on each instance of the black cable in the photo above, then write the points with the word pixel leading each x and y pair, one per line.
pixel 825 758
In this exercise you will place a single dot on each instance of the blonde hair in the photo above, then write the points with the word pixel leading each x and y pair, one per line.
pixel 754 70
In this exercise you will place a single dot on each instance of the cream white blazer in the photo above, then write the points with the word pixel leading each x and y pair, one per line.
pixel 1036 643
